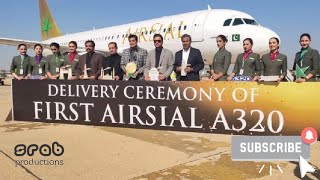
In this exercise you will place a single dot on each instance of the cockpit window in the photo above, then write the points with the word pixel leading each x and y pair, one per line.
pixel 237 21
pixel 227 22
pixel 250 21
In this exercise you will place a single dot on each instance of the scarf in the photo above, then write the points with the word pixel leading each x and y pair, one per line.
pixel 246 54
pixel 303 52
pixel 72 56
pixel 38 59
pixel 273 55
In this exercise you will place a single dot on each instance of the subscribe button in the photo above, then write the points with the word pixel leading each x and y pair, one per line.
pixel 269 148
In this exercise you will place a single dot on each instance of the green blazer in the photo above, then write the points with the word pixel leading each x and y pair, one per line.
pixel 16 65
pixel 73 64
pixel 53 62
pixel 34 66
pixel 251 65
pixel 277 67
pixel 311 59
pixel 221 63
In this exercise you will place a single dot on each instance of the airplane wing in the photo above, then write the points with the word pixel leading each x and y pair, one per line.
pixel 30 44
pixel 16 42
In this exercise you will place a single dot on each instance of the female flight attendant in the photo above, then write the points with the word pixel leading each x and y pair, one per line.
pixel 274 63
pixel 221 60
pixel 307 59
pixel 54 62
pixel 72 58
pixel 37 64
pixel 20 64
pixel 247 63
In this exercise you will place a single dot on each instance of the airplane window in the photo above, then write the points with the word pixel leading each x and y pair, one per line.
pixel 179 28
pixel 237 21
pixel 185 27
pixel 227 22
pixel 164 30
pixel 118 36
pixel 169 29
pixel 250 21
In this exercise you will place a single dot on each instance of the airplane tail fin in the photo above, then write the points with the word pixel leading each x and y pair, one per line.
pixel 49 28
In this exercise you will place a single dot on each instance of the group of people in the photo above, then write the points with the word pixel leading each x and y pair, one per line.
pixel 185 65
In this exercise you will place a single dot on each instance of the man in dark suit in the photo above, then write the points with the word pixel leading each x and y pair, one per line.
pixel 188 61
pixel 113 62
pixel 92 60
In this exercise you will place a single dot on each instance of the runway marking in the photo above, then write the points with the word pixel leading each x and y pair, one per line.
pixel 279 169
pixel 261 169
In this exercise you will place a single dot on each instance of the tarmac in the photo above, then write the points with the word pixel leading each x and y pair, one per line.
pixel 121 153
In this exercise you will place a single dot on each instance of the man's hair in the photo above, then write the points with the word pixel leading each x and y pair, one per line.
pixel 115 44
pixel 158 35
pixel 186 36
pixel 133 36
pixel 90 41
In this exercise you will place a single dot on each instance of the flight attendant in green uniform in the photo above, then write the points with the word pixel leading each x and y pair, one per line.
pixel 247 63
pixel 307 59
pixel 37 64
pixel 274 63
pixel 54 62
pixel 20 64
pixel 221 60
pixel 72 58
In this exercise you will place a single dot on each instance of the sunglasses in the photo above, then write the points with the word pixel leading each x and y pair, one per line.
pixel 157 41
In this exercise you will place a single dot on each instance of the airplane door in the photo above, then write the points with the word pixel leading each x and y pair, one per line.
pixel 197 27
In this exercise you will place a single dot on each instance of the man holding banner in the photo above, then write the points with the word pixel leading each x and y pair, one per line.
pixel 159 64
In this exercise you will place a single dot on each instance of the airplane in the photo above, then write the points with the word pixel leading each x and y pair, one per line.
pixel 203 26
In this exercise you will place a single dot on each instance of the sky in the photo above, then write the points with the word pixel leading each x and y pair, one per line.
pixel 288 18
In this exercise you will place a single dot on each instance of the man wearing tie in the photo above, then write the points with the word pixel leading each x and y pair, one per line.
pixel 188 61
pixel 160 58
pixel 92 60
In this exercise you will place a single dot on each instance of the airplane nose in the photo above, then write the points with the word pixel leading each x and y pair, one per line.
pixel 263 36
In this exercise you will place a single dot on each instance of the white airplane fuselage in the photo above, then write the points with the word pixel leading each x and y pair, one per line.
pixel 203 26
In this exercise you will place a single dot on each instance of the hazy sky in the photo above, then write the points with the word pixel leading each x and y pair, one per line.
pixel 288 18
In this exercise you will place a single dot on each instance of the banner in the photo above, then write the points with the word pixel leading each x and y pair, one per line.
pixel 244 108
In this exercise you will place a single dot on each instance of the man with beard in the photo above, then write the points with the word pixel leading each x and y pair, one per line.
pixel 91 60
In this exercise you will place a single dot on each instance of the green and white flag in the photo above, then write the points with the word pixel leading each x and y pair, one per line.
pixel 235 37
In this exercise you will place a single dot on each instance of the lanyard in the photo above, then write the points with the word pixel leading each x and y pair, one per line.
pixel 57 58
pixel 303 53
pixel 21 63
pixel 242 62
